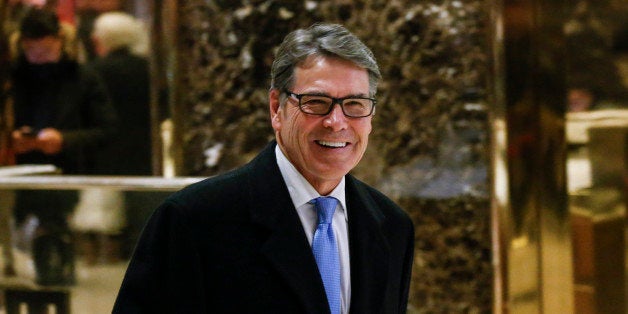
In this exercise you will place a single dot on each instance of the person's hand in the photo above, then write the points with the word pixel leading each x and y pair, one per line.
pixel 50 141
pixel 23 140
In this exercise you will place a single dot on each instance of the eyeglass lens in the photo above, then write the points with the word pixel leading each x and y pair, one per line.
pixel 321 105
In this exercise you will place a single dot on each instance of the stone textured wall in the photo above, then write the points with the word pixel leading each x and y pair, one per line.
pixel 428 146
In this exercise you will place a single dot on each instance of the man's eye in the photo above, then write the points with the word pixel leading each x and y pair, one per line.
pixel 354 104
pixel 315 102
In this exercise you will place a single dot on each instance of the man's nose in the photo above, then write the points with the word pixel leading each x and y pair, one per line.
pixel 336 118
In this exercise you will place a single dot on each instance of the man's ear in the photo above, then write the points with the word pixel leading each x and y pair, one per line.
pixel 275 108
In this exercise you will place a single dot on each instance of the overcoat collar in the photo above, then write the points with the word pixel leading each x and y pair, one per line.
pixel 289 252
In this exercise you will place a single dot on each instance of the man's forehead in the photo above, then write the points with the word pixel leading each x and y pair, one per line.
pixel 315 59
pixel 327 70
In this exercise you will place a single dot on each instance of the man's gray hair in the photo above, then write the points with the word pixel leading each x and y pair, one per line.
pixel 324 40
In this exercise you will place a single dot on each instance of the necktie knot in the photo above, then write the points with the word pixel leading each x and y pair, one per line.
pixel 325 207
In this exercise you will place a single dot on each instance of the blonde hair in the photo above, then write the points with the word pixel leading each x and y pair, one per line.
pixel 117 30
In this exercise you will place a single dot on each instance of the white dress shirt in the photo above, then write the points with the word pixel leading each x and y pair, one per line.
pixel 301 193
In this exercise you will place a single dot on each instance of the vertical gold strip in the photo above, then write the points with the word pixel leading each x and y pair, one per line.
pixel 170 10
pixel 156 86
pixel 499 168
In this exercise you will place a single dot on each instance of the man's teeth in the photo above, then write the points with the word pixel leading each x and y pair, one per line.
pixel 332 144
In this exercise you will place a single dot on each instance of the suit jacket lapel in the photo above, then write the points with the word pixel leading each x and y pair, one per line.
pixel 287 247
pixel 368 249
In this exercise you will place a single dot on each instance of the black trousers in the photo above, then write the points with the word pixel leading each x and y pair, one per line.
pixel 53 242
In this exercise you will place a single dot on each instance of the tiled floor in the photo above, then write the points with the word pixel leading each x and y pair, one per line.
pixel 96 287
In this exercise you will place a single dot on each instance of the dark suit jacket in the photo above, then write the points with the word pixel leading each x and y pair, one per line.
pixel 234 244
pixel 69 97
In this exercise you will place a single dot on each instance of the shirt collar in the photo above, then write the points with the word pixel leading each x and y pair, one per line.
pixel 301 191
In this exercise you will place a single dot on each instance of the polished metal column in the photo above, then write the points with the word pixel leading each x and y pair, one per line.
pixel 531 231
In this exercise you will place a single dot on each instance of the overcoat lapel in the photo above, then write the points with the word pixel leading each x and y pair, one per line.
pixel 368 249
pixel 286 247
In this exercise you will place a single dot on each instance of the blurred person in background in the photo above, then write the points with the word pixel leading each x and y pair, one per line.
pixel 103 216
pixel 62 113
pixel 121 44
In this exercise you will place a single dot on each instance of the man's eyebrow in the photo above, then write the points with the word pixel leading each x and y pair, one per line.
pixel 359 95
pixel 319 93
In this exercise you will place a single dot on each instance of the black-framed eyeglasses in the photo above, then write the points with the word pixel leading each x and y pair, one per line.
pixel 321 105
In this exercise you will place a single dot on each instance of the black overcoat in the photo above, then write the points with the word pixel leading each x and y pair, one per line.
pixel 234 244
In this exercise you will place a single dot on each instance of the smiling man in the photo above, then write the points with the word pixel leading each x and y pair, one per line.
pixel 292 231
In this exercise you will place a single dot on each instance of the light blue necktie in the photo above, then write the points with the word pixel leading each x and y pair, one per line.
pixel 326 251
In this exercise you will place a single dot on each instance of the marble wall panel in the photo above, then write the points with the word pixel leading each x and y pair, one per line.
pixel 429 141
